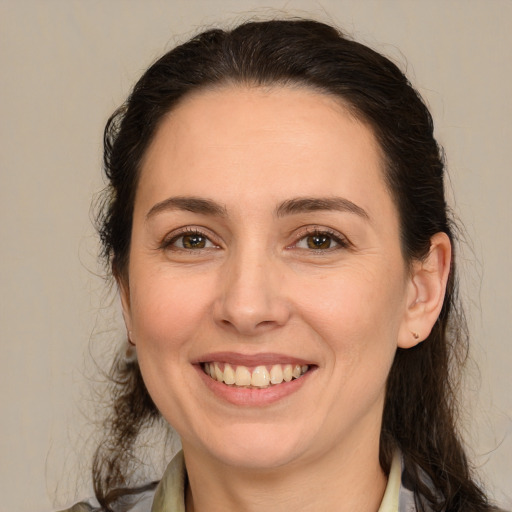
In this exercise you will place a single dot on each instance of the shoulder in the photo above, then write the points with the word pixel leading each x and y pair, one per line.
pixel 131 502
pixel 80 507
pixel 168 494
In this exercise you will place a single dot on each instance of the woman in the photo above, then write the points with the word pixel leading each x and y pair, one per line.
pixel 277 227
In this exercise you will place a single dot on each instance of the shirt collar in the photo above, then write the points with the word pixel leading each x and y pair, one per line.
pixel 392 493
pixel 170 493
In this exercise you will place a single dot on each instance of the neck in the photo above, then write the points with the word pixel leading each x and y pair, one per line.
pixel 340 482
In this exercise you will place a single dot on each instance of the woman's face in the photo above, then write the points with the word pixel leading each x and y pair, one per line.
pixel 265 247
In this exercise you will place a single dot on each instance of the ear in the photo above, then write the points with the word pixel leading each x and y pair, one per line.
pixel 426 290
pixel 124 295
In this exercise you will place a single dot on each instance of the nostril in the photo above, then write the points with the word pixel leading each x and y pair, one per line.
pixel 248 311
pixel 245 326
pixel 264 323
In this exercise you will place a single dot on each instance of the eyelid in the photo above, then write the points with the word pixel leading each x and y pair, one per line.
pixel 174 235
pixel 342 241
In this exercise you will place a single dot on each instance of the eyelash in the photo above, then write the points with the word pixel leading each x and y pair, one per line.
pixel 168 242
pixel 340 241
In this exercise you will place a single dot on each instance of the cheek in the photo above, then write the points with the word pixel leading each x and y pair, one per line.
pixel 356 314
pixel 169 311
pixel 357 299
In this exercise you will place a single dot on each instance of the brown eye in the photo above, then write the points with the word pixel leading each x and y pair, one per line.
pixel 319 241
pixel 189 241
pixel 193 241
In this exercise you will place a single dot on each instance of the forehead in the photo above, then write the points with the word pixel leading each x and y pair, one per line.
pixel 242 142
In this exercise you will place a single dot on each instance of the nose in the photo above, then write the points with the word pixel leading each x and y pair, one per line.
pixel 251 299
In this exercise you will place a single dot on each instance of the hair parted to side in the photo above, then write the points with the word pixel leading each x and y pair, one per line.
pixel 421 398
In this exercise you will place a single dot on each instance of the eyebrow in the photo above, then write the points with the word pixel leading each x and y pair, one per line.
pixel 313 204
pixel 189 204
pixel 289 207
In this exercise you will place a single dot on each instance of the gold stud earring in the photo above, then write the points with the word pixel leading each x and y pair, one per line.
pixel 415 335
pixel 130 353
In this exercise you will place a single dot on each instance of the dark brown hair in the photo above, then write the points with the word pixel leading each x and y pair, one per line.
pixel 420 408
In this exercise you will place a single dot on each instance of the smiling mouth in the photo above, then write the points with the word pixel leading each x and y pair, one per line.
pixel 258 377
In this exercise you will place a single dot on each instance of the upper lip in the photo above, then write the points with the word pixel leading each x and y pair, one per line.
pixel 263 359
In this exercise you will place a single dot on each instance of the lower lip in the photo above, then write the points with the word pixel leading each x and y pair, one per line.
pixel 253 397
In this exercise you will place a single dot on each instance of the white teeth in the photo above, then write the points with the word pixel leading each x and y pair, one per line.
pixel 242 376
pixel 276 374
pixel 218 374
pixel 260 377
pixel 229 375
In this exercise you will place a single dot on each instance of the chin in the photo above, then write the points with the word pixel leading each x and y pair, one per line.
pixel 257 448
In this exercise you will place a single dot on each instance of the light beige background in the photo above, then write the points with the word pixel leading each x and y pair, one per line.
pixel 65 65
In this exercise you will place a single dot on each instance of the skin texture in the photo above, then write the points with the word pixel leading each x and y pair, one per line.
pixel 255 287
